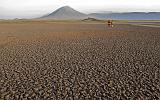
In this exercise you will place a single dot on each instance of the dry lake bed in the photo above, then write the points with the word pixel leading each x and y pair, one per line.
pixel 48 60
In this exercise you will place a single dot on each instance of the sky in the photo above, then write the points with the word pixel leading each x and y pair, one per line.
pixel 36 8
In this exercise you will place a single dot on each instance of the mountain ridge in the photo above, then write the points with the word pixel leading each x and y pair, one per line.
pixel 68 13
pixel 128 16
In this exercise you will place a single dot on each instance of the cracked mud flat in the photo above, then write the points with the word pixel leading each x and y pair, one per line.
pixel 79 62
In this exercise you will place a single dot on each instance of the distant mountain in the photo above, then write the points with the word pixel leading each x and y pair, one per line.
pixel 68 13
pixel 65 13
pixel 128 16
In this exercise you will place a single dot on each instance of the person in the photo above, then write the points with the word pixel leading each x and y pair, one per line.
pixel 110 23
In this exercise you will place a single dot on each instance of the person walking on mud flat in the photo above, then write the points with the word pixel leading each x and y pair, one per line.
pixel 110 23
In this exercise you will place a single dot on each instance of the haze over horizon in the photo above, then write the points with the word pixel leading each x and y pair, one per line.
pixel 35 8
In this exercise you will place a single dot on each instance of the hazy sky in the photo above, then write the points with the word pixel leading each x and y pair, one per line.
pixel 34 8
